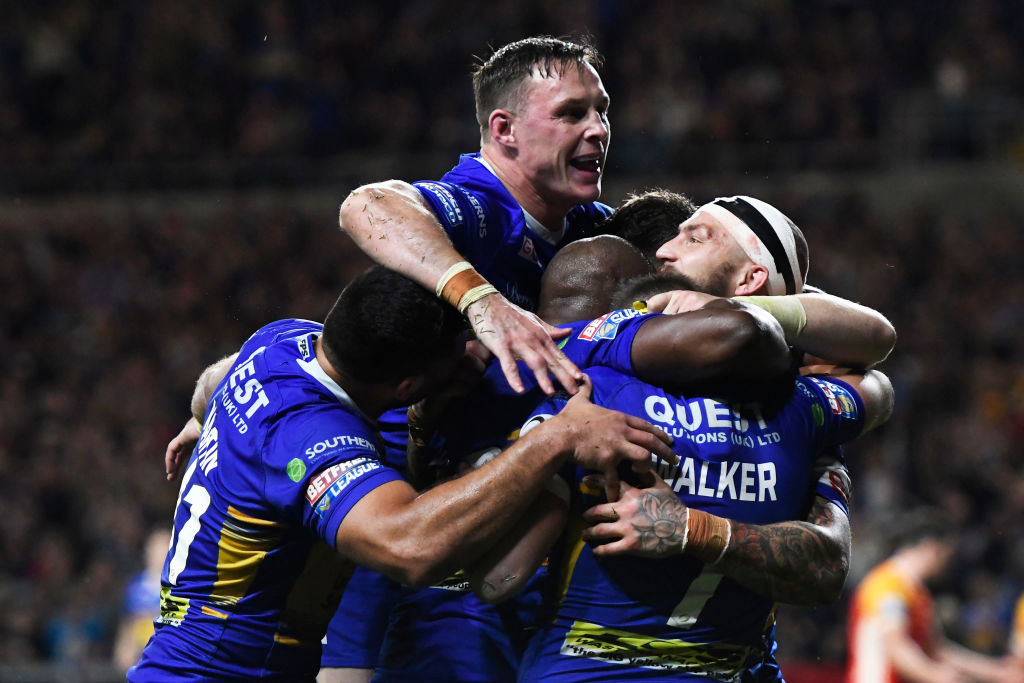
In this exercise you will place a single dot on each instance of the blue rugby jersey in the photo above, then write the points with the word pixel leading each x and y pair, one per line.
pixel 252 575
pixel 444 632
pixel 488 227
pixel 630 618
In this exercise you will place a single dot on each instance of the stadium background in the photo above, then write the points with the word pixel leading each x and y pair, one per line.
pixel 170 173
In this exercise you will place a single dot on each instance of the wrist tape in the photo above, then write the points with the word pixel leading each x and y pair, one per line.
pixel 462 286
pixel 707 536
pixel 788 310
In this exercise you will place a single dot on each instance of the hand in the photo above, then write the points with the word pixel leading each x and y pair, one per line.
pixel 604 437
pixel 678 301
pixel 646 522
pixel 512 333
pixel 179 448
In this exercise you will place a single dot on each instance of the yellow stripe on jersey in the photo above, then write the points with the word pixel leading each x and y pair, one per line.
pixel 210 612
pixel 593 641
pixel 244 542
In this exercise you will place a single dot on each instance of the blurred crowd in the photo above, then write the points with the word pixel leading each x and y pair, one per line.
pixel 112 308
pixel 790 83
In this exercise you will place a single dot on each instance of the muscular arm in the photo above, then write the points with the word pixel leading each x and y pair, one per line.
pixel 724 338
pixel 420 539
pixel 795 562
pixel 392 223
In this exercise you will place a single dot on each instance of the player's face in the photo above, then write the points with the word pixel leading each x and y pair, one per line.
pixel 706 252
pixel 562 133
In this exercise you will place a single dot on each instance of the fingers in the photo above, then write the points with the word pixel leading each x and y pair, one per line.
pixel 657 303
pixel 654 439
pixel 511 370
pixel 612 485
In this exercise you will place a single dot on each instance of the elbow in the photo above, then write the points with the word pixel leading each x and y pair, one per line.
pixel 418 565
pixel 494 589
pixel 883 340
pixel 829 588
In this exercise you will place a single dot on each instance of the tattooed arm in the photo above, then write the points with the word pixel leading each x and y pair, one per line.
pixel 794 562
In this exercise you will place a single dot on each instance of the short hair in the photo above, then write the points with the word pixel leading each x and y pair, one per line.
pixel 919 524
pixel 643 287
pixel 649 219
pixel 385 327
pixel 497 82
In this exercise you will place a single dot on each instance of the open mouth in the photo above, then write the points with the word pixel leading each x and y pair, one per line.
pixel 590 164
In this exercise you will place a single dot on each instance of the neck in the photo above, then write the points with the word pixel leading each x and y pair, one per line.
pixel 371 399
pixel 522 190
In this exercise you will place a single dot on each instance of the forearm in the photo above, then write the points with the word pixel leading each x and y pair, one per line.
pixel 844 332
pixel 393 225
pixel 508 565
pixel 974 664
pixel 455 522
pixel 798 562
pixel 722 339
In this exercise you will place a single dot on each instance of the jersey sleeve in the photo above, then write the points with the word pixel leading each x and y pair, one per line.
pixel 321 464
pixel 832 479
pixel 464 216
pixel 836 409
pixel 606 341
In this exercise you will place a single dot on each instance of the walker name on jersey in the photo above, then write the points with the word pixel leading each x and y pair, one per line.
pixel 242 392
pixel 607 326
pixel 734 480
pixel 327 485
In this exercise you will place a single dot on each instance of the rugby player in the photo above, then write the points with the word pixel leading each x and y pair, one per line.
pixel 285 490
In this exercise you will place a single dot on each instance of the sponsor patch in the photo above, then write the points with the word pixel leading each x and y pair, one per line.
pixel 607 326
pixel 328 484
pixel 818 413
pixel 304 347
pixel 528 251
pixel 839 398
pixel 451 213
pixel 337 443
pixel 296 470
pixel 481 219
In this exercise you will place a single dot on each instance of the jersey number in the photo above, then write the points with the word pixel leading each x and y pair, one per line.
pixel 701 589
pixel 198 499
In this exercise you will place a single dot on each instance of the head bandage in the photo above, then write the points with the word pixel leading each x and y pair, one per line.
pixel 765 235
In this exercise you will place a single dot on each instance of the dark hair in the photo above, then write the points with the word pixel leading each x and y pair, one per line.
pixel 497 81
pixel 649 219
pixel 643 287
pixel 917 525
pixel 386 327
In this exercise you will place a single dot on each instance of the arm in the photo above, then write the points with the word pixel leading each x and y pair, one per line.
pixel 977 666
pixel 419 539
pixel 393 225
pixel 723 338
pixel 832 328
pixel 797 562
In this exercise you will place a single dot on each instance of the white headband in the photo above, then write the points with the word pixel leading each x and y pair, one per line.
pixel 765 235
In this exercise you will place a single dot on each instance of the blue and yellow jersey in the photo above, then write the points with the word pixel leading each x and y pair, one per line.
pixel 488 227
pixel 446 633
pixel 629 618
pixel 252 575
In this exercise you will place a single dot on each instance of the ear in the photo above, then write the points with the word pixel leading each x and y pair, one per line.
pixel 753 279
pixel 409 388
pixel 500 126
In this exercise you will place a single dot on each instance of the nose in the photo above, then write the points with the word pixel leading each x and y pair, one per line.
pixel 665 252
pixel 598 129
